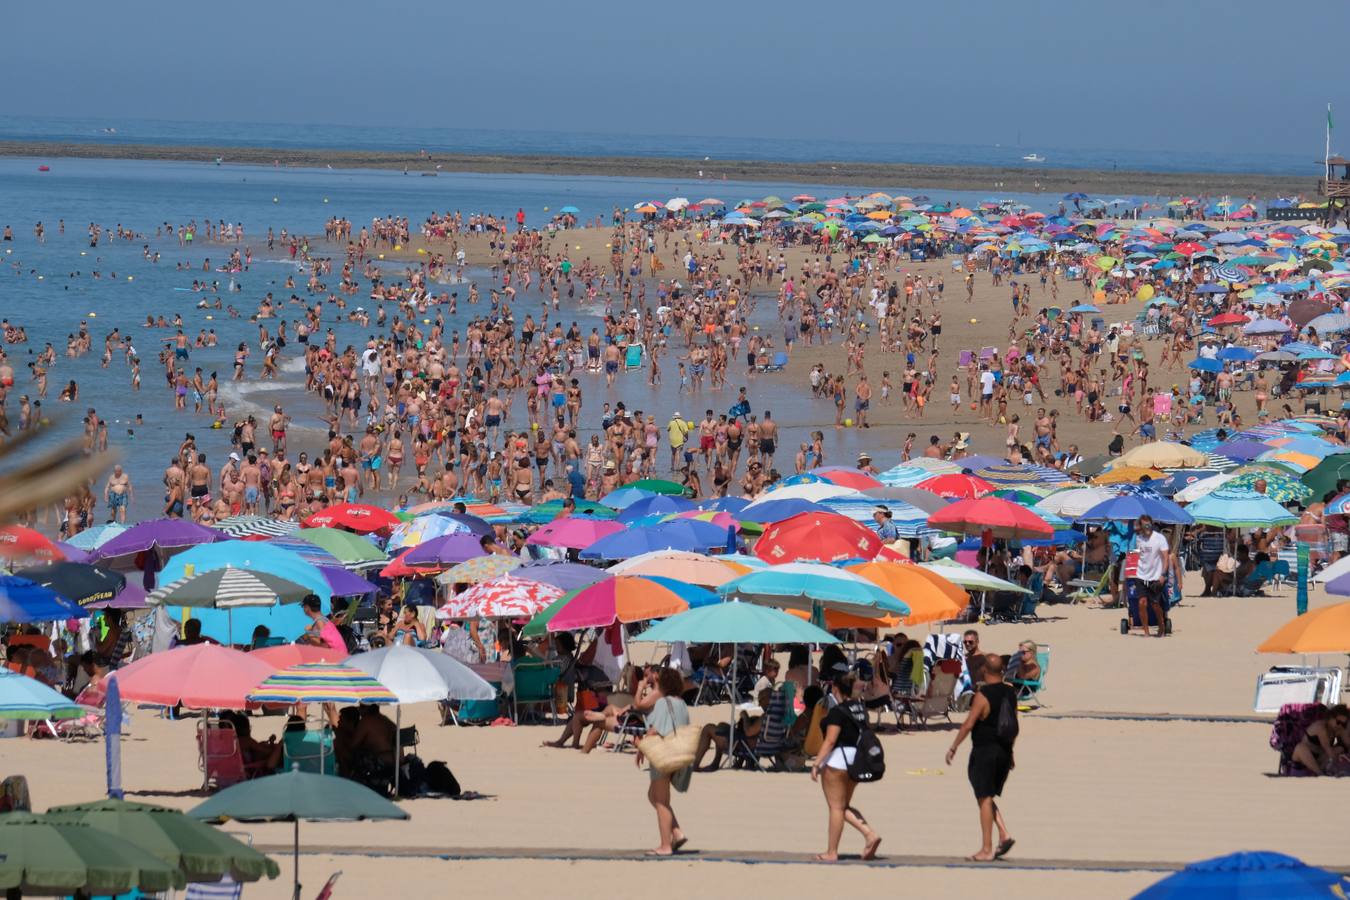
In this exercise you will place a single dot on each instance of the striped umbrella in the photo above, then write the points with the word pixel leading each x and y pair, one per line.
pixel 308 552
pixel 503 597
pixel 1231 273
pixel 228 588
pixel 321 683
pixel 250 526
pixel 1024 476
pixel 910 473
pixel 481 568
pixel 355 551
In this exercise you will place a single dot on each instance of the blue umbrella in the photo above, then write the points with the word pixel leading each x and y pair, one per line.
pixel 23 601
pixel 679 534
pixel 1212 289
pixel 1243 450
pixel 1236 354
pixel 1248 875
pixel 655 505
pixel 1128 507
pixel 1240 509
pixel 777 510
pixel 569 210
pixel 255 555
pixel 732 505
pixel 624 497
pixel 1201 364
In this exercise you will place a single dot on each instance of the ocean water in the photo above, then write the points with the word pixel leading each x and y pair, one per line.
pixel 520 142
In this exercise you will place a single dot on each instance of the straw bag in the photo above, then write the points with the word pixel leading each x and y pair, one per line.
pixel 670 753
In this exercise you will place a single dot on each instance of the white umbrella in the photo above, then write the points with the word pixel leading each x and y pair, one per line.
pixel 675 204
pixel 1203 487
pixel 971 579
pixel 814 491
pixel 415 675
pixel 1071 503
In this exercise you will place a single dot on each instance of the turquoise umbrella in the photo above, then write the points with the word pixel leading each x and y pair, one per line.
pixel 813 587
pixel 1240 509
pixel 22 697
pixel 295 795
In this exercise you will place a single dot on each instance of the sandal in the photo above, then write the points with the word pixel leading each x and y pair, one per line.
pixel 1003 848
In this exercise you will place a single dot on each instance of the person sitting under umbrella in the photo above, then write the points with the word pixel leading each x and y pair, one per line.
pixel 262 756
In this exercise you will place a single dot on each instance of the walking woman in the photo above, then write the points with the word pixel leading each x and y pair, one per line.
pixel 841 726
pixel 991 754
pixel 668 712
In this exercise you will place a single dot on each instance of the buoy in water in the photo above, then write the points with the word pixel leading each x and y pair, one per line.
pixel 275 200
pixel 44 168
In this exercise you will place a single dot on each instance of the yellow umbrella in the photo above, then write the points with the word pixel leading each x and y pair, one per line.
pixel 1324 630
pixel 931 598
pixel 1126 475
pixel 1163 455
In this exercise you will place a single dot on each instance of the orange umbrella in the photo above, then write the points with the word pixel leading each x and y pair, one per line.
pixel 931 598
pixel 1127 475
pixel 1324 630
pixel 837 620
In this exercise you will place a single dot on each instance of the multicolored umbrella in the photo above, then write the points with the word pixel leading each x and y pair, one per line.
pixel 426 527
pixel 353 551
pixel 929 596
pixel 1283 489
pixel 480 568
pixel 692 568
pixel 817 537
pixel 999 517
pixel 228 588
pixel 625 598
pixel 320 683
pixel 504 597
pixel 359 517
pixel 958 485
pixel 1026 477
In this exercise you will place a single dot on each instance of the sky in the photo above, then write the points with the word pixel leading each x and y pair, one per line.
pixel 1190 75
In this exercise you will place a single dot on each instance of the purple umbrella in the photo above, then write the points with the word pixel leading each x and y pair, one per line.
pixel 1242 451
pixel 72 553
pixel 563 575
pixel 345 583
pixel 448 549
pixel 165 535
pixel 977 462
pixel 130 597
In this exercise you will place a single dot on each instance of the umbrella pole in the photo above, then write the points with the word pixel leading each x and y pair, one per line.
pixel 731 693
pixel 398 744
pixel 297 859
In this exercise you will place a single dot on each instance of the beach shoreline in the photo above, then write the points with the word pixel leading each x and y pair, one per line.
pixel 1010 179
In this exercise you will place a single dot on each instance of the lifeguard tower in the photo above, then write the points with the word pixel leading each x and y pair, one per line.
pixel 1335 186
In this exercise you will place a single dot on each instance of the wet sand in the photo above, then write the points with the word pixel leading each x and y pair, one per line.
pixel 1002 180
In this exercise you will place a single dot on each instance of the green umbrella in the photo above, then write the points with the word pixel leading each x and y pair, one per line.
pixel 659 486
pixel 547 512
pixel 1323 478
pixel 351 549
pixel 45 856
pixel 538 626
pixel 295 795
pixel 201 851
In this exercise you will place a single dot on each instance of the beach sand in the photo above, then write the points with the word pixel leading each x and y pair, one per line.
pixel 1147 756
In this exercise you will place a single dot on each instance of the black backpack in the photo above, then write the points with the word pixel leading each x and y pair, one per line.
pixel 869 759
pixel 1007 728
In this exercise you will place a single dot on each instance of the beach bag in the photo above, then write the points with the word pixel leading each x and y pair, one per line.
pixel 1007 727
pixel 869 759
pixel 1226 564
pixel 670 753
pixel 412 777
pixel 440 780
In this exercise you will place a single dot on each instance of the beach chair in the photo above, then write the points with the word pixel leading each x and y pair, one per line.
pixel 1028 689
pixel 777 364
pixel 1085 589
pixel 219 755
pixel 937 700
pixel 534 687
pixel 1279 573
pixel 327 892
pixel 1260 574
pixel 224 889
pixel 632 357
pixel 772 743
pixel 310 756
pixel 713 687
pixel 1027 611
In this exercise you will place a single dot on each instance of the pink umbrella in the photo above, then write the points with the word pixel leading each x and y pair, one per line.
pixel 574 532
pixel 283 656
pixel 504 597
pixel 199 676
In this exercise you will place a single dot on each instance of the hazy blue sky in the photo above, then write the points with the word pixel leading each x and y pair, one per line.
pixel 1185 74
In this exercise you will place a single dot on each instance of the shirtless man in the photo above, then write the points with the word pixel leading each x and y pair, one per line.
pixel 199 481
pixel 611 364
pixel 277 425
pixel 768 439
pixel 117 494
pixel 251 474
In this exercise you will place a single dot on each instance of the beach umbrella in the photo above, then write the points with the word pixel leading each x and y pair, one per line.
pixel 1199 488
pixel 958 485
pixel 547 512
pixel 624 497
pixel 971 579
pixel 1265 326
pixel 503 597
pixel 1025 476
pixel 295 795
pixel 655 505
pixel 814 587
pixel 910 496
pixel 813 491
pixel 23 601
pixel 444 551
pixel 480 568
pixel 693 568
pixel 1240 509
pixel 1123 475
pixel 199 676
pixel 417 675
pixel 1204 364
pixel 818 537
pixel 437 523
pixel 846 476
pixel 1248 875
pixel 574 532
pixel 1243 450
pixel 97 536
pixel 78 582
pixel 358 517
pixel 352 550
pixel 1324 477
pixel 735 623
pixel 1322 630
pixel 1074 501
pixel 18 542
pixel 1236 354
pixel 22 697
pixel 307 552
pixel 1129 507
pixel 566 576
pixel 994 515
pixel 251 526
pixel 283 656
pixel 910 473
pixel 228 588
pixel 320 683
pixel 131 596
pixel 626 598
pixel 47 856
pixel 929 596
pixel 768 510
pixel 257 556
pixel 1228 318
pixel 677 534
pixel 201 852
pixel 659 486
pixel 1283 489
pixel 1162 455
pixel 163 536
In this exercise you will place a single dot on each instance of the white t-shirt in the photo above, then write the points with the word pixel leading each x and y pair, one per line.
pixel 1153 553
pixel 986 382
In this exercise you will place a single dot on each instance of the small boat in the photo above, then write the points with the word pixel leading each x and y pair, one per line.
pixel 430 174
pixel 44 168
pixel 1033 157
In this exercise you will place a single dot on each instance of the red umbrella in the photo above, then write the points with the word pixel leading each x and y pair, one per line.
pixel 1229 318
pixel 956 484
pixel 1189 248
pixel 283 656
pixel 358 517
pixel 847 477
pixel 17 542
pixel 399 567
pixel 818 537
pixel 1002 518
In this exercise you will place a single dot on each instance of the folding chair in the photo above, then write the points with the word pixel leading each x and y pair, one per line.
pixel 327 892
pixel 1085 589
pixel 937 700
pixel 772 743
pixel 219 755
pixel 1029 689
pixel 1027 611
pixel 713 685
